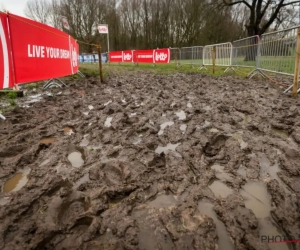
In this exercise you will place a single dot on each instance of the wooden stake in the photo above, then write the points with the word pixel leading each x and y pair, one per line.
pixel 100 63
pixel 214 58
pixel 296 71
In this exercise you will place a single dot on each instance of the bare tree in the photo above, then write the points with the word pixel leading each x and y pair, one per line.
pixel 38 10
pixel 263 13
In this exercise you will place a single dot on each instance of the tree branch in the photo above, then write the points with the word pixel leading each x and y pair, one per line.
pixel 234 3
pixel 286 4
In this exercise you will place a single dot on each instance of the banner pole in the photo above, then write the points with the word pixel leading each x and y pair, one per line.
pixel 296 71
pixel 100 63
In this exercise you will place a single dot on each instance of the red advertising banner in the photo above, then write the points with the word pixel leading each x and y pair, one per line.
pixel 162 56
pixel 6 76
pixel 116 56
pixel 41 52
pixel 127 56
pixel 143 56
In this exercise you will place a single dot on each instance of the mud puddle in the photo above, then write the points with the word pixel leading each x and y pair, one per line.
pixel 76 159
pixel 181 115
pixel 270 171
pixel 163 126
pixel 221 174
pixel 183 128
pixel 16 182
pixel 220 189
pixel 282 133
pixel 167 149
pixel 224 241
pixel 163 201
pixel 107 122
pixel 258 200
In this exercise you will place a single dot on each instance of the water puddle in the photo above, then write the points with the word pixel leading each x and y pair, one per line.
pixel 163 126
pixel 86 113
pixel 91 107
pixel 76 159
pixel 85 142
pixel 45 162
pixel 107 123
pixel 239 137
pixel 170 147
pixel 69 131
pixel 110 101
pixel 280 132
pixel 82 180
pixel 271 171
pixel 224 242
pixel 220 189
pixel 34 98
pixel 132 114
pixel 173 104
pixel 220 174
pixel 207 108
pixel 214 130
pixel 183 128
pixel 94 147
pixel 242 171
pixel 247 119
pixel 138 141
pixel 15 183
pixel 47 140
pixel 181 115
pixel 258 200
pixel 189 105
pixel 163 201
pixel 4 201
pixel 115 202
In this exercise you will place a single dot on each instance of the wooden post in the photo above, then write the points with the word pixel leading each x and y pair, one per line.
pixel 214 58
pixel 100 63
pixel 296 71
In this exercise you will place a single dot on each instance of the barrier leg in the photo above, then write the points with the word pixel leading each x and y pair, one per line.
pixel 2 117
pixel 255 72
pixel 202 67
pixel 229 69
pixel 80 74
pixel 52 82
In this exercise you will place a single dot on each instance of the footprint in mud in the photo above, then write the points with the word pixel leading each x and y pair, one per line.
pixel 259 201
pixel 213 147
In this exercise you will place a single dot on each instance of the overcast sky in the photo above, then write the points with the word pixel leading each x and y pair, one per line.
pixel 14 6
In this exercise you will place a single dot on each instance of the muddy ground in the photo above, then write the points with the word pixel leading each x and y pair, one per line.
pixel 148 161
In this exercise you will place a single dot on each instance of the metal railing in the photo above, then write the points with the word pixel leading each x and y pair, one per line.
pixel 222 53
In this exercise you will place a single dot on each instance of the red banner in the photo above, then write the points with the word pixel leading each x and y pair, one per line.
pixel 116 56
pixel 162 56
pixel 6 76
pixel 127 56
pixel 143 56
pixel 41 52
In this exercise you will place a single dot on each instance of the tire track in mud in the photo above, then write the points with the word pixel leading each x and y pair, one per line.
pixel 174 167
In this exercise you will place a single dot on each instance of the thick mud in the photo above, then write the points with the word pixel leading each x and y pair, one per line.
pixel 149 161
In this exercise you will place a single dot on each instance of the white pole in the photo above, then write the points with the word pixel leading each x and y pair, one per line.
pixel 108 42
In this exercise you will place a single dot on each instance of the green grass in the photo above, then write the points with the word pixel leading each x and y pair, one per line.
pixel 161 69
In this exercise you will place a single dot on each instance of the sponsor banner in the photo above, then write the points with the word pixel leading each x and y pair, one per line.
pixel 41 52
pixel 161 55
pixel 143 56
pixel 127 56
pixel 6 76
pixel 116 56
pixel 103 28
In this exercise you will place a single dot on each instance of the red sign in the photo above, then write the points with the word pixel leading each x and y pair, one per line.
pixel 116 56
pixel 6 76
pixel 40 51
pixel 162 56
pixel 143 56
pixel 127 56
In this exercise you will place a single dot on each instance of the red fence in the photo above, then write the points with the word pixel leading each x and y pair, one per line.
pixel 31 51
pixel 141 56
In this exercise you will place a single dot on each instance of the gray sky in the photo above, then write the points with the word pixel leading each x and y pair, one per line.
pixel 14 6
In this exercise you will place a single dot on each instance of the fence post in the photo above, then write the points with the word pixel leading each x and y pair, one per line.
pixel 214 58
pixel 100 63
pixel 296 72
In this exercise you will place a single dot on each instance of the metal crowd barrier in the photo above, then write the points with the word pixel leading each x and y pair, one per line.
pixel 175 56
pixel 223 54
pixel 191 55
